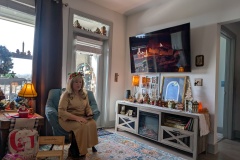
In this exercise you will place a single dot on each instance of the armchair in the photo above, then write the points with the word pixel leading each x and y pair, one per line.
pixel 51 111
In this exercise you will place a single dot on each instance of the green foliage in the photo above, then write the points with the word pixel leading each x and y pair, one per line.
pixel 5 60
pixel 2 107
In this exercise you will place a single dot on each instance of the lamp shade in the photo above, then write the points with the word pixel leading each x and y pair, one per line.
pixel 135 80
pixel 27 91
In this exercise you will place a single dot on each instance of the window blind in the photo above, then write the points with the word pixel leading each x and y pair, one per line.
pixel 25 6
pixel 88 45
pixel 20 11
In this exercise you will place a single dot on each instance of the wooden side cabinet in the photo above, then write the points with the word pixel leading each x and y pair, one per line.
pixel 172 127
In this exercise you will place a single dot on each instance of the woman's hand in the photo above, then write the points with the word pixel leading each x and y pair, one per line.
pixel 81 120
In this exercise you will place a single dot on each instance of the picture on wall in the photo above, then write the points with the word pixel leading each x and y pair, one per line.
pixel 173 89
pixel 144 80
pixel 155 80
pixel 144 91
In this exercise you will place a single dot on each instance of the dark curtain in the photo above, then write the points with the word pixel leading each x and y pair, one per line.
pixel 47 57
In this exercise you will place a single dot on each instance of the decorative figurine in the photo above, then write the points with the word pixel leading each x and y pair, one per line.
pixel 103 30
pixel 189 106
pixel 98 31
pixel 77 24
pixel 122 110
pixel 171 104
pixel 146 99
pixel 12 105
pixel 179 106
pixel 195 106
pixel 23 111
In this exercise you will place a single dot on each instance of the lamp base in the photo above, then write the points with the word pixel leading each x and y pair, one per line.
pixel 32 105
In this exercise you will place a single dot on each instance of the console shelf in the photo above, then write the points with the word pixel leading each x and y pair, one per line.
pixel 172 127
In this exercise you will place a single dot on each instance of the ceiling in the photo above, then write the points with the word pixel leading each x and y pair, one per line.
pixel 128 7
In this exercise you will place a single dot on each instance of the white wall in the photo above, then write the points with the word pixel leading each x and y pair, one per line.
pixel 118 46
pixel 204 17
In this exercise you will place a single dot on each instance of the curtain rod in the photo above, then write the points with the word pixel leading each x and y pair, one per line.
pixel 64 4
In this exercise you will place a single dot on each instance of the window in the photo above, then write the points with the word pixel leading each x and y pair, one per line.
pixel 17 35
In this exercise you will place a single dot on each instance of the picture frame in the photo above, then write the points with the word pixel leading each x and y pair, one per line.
pixel 154 79
pixel 173 88
pixel 144 91
pixel 148 80
pixel 199 61
pixel 144 80
pixel 130 112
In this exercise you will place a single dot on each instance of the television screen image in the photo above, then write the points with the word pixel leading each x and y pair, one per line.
pixel 166 50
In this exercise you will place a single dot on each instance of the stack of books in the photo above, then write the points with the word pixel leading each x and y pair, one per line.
pixel 179 122
pixel 176 122
pixel 189 125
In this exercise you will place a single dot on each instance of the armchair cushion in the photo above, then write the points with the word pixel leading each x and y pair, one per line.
pixel 51 111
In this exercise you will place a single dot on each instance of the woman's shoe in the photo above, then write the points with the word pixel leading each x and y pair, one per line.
pixel 73 153
pixel 94 149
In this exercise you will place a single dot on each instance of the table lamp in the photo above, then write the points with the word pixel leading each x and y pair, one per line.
pixel 28 91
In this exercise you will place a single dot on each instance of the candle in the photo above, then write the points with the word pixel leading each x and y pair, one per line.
pixel 199 107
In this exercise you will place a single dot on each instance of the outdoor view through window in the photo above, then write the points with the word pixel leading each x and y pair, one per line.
pixel 18 38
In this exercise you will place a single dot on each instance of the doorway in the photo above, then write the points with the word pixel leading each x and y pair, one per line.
pixel 89 64
pixel 225 84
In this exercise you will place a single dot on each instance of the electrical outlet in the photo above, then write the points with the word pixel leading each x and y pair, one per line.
pixel 198 82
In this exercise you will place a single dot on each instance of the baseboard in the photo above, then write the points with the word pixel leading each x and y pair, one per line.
pixel 212 148
pixel 109 124
pixel 236 134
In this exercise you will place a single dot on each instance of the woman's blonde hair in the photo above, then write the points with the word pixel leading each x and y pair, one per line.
pixel 69 87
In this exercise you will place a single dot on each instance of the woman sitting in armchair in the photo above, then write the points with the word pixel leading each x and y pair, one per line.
pixel 75 115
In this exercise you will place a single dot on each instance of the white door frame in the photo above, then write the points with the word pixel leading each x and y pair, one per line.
pixel 229 79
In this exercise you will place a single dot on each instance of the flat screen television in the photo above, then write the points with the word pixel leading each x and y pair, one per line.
pixel 165 50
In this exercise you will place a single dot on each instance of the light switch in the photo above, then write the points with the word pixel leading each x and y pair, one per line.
pixel 116 77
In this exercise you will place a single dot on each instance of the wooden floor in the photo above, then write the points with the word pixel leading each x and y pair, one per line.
pixel 228 149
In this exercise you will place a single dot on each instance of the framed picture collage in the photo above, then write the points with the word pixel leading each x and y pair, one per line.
pixel 149 84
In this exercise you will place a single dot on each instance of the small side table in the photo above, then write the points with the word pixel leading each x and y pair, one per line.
pixel 5 126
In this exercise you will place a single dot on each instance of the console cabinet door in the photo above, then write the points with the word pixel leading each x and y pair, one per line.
pixel 127 123
pixel 178 138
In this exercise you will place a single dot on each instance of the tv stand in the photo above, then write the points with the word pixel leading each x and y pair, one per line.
pixel 171 127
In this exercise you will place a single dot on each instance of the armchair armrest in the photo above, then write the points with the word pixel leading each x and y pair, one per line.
pixel 52 117
pixel 93 105
pixel 51 114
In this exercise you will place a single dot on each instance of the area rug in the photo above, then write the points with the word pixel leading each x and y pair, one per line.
pixel 103 132
pixel 117 147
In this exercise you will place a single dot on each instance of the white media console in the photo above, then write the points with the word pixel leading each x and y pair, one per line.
pixel 172 127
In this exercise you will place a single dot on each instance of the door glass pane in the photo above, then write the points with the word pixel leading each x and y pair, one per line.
pixel 87 63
